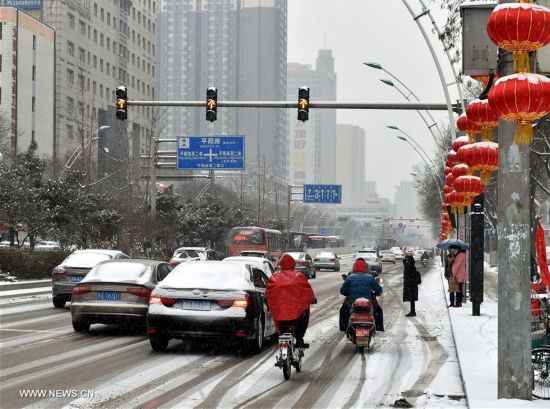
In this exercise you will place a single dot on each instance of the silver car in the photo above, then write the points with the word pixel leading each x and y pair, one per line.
pixel 116 292
pixel 327 260
pixel 74 268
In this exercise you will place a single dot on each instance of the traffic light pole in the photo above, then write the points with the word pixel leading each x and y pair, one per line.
pixel 410 106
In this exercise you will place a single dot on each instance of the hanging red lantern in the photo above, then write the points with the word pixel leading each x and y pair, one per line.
pixel 467 126
pixel 447 189
pixel 484 159
pixel 520 27
pixel 460 170
pixel 483 116
pixel 457 201
pixel 521 98
pixel 468 185
pixel 448 170
pixel 452 159
pixel 459 142
pixel 449 180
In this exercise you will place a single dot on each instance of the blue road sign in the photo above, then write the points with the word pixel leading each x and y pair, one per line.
pixel 323 231
pixel 367 225
pixel 214 152
pixel 23 4
pixel 322 193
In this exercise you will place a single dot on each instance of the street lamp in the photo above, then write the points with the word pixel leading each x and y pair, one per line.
pixel 411 138
pixel 390 83
pixel 75 155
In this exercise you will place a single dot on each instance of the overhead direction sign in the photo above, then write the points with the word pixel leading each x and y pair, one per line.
pixel 322 193
pixel 213 152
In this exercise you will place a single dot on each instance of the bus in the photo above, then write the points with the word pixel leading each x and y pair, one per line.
pixel 256 238
pixel 297 241
pixel 336 241
pixel 318 242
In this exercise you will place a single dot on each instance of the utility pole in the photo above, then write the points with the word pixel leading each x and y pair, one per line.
pixel 153 186
pixel 477 220
pixel 514 346
pixel 289 199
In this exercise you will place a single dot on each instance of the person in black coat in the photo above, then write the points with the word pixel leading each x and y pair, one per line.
pixel 411 280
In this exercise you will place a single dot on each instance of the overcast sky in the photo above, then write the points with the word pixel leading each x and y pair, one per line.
pixel 383 31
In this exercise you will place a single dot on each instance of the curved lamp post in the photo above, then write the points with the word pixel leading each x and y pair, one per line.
pixel 395 128
pixel 74 156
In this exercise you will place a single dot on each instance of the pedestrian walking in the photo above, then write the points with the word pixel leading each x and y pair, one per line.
pixel 453 284
pixel 459 272
pixel 411 281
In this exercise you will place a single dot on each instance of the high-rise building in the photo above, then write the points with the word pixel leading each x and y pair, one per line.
pixel 101 45
pixel 406 201
pixel 313 143
pixel 27 62
pixel 239 47
pixel 350 162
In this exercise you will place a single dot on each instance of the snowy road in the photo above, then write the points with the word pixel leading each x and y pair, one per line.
pixel 414 358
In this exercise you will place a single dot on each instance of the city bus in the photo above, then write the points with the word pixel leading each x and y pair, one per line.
pixel 297 241
pixel 336 241
pixel 256 238
pixel 318 242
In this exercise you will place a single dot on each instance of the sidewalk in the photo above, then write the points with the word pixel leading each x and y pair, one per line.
pixel 476 346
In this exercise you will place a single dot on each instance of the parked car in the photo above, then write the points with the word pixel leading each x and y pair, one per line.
pixel 371 259
pixel 387 255
pixel 212 299
pixel 116 292
pixel 304 263
pixel 74 268
pixel 259 262
pixel 327 260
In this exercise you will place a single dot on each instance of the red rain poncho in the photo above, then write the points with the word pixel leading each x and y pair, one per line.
pixel 288 292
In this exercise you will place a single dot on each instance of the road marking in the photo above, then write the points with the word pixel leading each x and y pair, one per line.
pixel 28 330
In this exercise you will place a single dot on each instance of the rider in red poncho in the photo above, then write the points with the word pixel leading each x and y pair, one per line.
pixel 289 295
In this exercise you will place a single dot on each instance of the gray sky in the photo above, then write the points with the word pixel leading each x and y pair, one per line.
pixel 383 31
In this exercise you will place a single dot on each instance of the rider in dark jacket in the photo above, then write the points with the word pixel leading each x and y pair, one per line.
pixel 360 285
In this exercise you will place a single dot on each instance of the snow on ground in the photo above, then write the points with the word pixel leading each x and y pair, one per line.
pixel 476 344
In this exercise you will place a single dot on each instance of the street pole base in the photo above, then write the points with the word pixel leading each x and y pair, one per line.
pixel 476 308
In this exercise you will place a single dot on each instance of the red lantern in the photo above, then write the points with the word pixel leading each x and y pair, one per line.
pixel 459 142
pixel 519 27
pixel 470 186
pixel 484 159
pixel 457 201
pixel 460 170
pixel 452 159
pixel 467 126
pixel 448 170
pixel 521 98
pixel 483 115
pixel 447 189
pixel 449 180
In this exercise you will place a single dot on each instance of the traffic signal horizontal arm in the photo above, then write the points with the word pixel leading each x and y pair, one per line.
pixel 413 106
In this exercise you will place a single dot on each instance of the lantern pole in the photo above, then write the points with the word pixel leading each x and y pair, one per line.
pixel 514 346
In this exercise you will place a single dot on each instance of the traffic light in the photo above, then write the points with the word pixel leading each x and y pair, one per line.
pixel 121 103
pixel 303 104
pixel 211 104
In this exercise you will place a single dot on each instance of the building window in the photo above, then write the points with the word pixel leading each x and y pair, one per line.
pixel 33 102
pixel 33 72
pixel 70 132
pixel 82 55
pixel 70 77
pixel 0 62
pixel 34 42
pixel 101 64
pixel 95 61
pixel 70 105
pixel 101 40
pixel 71 20
pixel 82 26
pixel 95 35
pixel 70 48
pixel 81 82
pixel 108 18
pixel 102 14
pixel 95 9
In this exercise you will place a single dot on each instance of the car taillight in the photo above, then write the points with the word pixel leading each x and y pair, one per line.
pixel 315 259
pixel 81 289
pixel 168 302
pixel 241 302
pixel 225 303
pixel 139 292
pixel 332 259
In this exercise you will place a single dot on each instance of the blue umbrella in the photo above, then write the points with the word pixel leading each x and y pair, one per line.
pixel 445 244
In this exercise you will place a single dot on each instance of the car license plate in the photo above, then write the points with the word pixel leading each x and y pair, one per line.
pixel 108 295
pixel 362 333
pixel 75 279
pixel 195 305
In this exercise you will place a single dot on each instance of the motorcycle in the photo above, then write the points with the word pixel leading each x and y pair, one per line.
pixel 361 324
pixel 424 262
pixel 289 354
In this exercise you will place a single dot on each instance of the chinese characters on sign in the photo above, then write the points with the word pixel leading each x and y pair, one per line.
pixel 322 193
pixel 211 152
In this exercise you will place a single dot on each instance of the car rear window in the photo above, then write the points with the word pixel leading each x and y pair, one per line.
pixel 85 259
pixel 188 254
pixel 211 275
pixel 119 271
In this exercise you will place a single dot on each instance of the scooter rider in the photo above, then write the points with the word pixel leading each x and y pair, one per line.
pixel 289 295
pixel 357 285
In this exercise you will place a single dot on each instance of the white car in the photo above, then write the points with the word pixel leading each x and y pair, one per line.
pixel 184 254
pixel 387 255
pixel 259 262
pixel 398 254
